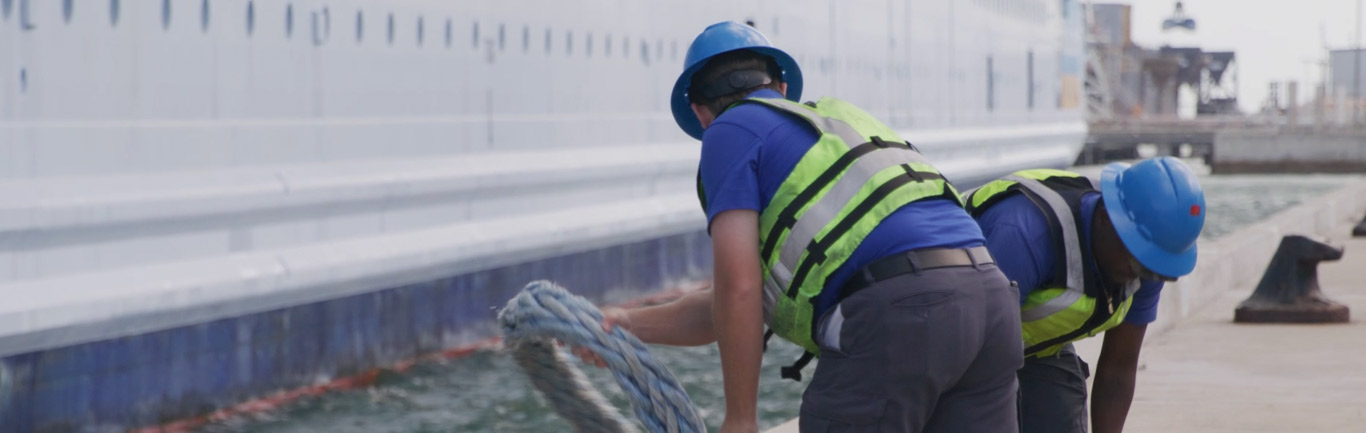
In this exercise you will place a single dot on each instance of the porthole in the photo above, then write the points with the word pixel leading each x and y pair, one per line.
pixel 165 14
pixel 547 41
pixel 526 39
pixel 645 52
pixel 251 17
pixel 502 37
pixel 607 50
pixel 391 29
pixel 289 20
pixel 588 45
pixel 204 16
pixel 113 12
pixel 568 42
pixel 66 10
pixel 448 32
pixel 419 31
pixel 474 38
pixel 360 26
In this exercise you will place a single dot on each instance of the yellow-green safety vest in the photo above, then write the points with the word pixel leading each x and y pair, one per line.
pixel 1076 303
pixel 856 174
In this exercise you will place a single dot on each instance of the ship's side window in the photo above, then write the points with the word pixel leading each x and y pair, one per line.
pixel 360 26
pixel 502 36
pixel 204 16
pixel 626 46
pixel 5 7
pixel 448 33
pixel 588 45
pixel 474 38
pixel 419 31
pixel 165 14
pixel 547 40
pixel 66 10
pixel 1029 75
pixel 113 12
pixel 391 28
pixel 645 53
pixel 251 17
pixel 659 49
pixel 569 42
pixel 289 20
pixel 673 50
pixel 991 85
pixel 526 38
pixel 608 51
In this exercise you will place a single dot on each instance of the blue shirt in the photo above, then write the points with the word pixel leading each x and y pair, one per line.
pixel 751 148
pixel 1018 237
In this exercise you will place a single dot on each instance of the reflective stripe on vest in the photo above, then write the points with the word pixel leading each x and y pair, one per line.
pixel 1071 246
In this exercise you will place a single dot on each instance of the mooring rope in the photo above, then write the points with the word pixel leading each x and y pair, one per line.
pixel 544 312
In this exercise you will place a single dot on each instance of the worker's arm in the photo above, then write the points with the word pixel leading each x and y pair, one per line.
pixel 1112 390
pixel 686 321
pixel 738 314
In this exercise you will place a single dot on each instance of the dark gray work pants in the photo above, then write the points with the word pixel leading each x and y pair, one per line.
pixel 1053 393
pixel 933 352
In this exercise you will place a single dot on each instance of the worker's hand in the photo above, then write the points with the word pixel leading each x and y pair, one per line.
pixel 612 317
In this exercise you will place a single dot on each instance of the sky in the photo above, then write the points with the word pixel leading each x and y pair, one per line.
pixel 1275 40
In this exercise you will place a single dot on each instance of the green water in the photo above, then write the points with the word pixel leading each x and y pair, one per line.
pixel 485 392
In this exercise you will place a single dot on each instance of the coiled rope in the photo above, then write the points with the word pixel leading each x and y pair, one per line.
pixel 545 311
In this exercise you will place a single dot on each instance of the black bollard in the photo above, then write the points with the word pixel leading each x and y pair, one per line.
pixel 1360 230
pixel 1289 290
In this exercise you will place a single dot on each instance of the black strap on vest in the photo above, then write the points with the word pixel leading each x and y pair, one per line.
pixel 816 250
pixel 794 371
pixel 788 217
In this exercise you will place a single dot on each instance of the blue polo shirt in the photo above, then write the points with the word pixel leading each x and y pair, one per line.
pixel 1018 238
pixel 751 148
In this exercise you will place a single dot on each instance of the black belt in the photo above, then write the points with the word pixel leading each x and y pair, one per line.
pixel 913 262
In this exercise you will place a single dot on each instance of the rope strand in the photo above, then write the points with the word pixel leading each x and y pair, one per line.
pixel 545 311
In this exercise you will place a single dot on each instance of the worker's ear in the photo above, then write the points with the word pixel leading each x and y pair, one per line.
pixel 704 115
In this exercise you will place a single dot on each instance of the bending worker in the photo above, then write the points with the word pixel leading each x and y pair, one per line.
pixel 843 239
pixel 1088 259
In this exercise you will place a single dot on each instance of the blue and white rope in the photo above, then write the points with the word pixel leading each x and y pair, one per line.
pixel 545 311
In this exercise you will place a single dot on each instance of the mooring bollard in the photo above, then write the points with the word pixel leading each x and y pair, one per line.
pixel 1289 290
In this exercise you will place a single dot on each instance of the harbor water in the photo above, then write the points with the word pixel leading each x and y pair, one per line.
pixel 485 392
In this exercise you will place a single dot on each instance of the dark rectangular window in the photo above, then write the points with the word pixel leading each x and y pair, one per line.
pixel 991 86
pixel 1029 75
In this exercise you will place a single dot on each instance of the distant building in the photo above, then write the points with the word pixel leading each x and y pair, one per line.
pixel 1137 81
pixel 1112 24
pixel 1340 71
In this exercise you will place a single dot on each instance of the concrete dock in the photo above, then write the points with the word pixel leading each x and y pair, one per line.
pixel 1200 372
pixel 1212 375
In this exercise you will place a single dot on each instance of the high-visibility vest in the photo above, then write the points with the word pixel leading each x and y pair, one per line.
pixel 1076 303
pixel 856 174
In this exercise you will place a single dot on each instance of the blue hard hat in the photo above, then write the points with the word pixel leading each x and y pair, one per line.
pixel 720 38
pixel 1158 209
